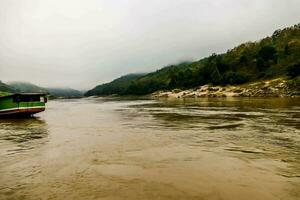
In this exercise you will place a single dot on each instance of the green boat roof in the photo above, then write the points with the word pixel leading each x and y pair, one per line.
pixel 23 94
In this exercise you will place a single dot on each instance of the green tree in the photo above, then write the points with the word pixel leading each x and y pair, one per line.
pixel 266 56
pixel 293 70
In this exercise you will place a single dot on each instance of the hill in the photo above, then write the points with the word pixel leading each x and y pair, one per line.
pixel 274 56
pixel 117 86
pixel 5 89
pixel 64 92
pixel 26 87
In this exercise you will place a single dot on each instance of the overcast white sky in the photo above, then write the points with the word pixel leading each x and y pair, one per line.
pixel 82 43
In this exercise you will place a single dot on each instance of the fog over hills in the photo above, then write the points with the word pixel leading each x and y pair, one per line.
pixel 26 87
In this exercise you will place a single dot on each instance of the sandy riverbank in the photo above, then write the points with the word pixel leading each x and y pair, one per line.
pixel 271 88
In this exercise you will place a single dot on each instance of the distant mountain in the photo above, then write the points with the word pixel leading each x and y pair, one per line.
pixel 26 87
pixel 65 92
pixel 5 89
pixel 271 57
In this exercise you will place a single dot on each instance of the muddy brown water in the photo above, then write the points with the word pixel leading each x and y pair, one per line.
pixel 97 148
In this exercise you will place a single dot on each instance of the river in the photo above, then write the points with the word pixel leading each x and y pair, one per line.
pixel 100 148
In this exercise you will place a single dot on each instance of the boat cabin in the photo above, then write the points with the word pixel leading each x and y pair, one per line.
pixel 22 104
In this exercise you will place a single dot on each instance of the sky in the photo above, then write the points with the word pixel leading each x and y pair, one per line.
pixel 83 43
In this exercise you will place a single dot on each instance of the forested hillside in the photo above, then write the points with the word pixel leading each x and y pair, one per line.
pixel 274 56
pixel 115 87
pixel 64 92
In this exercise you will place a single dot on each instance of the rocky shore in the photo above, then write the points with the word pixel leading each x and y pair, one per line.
pixel 272 88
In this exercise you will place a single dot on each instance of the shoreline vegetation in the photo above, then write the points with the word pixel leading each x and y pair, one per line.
pixel 268 67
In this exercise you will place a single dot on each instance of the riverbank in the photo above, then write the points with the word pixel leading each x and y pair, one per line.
pixel 279 87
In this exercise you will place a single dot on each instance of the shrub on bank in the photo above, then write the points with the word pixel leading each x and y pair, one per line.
pixel 235 78
pixel 293 70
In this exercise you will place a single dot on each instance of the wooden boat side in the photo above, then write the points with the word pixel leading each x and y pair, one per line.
pixel 10 107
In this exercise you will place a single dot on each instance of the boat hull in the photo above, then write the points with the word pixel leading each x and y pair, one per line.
pixel 21 112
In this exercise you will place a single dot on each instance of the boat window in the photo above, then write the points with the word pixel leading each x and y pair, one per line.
pixel 16 99
pixel 29 98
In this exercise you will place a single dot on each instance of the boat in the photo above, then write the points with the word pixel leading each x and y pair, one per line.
pixel 22 104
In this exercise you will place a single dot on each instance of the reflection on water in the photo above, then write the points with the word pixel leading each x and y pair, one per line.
pixel 99 148
pixel 18 140
pixel 22 134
